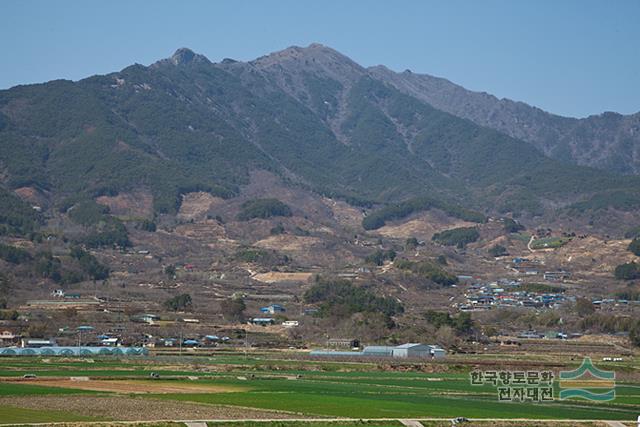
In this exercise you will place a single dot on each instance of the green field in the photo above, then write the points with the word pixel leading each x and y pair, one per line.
pixel 390 397
pixel 11 415
pixel 306 388
pixel 549 242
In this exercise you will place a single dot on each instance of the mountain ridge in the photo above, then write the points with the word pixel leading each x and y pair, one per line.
pixel 310 115
pixel 608 140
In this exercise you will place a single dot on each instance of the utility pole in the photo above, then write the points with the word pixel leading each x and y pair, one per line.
pixel 246 341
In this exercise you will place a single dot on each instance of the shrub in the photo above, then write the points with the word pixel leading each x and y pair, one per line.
pixel 148 225
pixel 341 298
pixel 380 256
pixel 179 302
pixel 634 246
pixel 584 307
pixel 112 233
pixel 512 226
pixel 498 250
pixel 268 258
pixel 16 216
pixel 632 233
pixel 278 229
pixel 89 264
pixel 457 236
pixel 462 324
pixel 170 271
pixel 630 294
pixel 411 243
pixel 628 271
pixel 301 232
pixel 14 255
pixel 429 271
pixel 634 334
pixel 263 208
pixel 401 210
pixel 88 213
pixel 9 315
pixel 233 309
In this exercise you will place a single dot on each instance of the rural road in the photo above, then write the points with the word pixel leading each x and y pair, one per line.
pixel 615 424
pixel 530 242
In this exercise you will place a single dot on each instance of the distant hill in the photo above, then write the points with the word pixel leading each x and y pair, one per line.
pixel 310 115
pixel 608 141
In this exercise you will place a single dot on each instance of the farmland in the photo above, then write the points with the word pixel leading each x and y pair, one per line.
pixel 278 386
pixel 549 243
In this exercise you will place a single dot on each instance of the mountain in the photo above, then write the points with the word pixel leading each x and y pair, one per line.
pixel 608 141
pixel 310 115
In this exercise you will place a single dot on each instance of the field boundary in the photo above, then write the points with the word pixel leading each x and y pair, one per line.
pixel 316 420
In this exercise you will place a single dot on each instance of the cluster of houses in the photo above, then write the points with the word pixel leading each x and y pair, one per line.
pixel 271 310
pixel 612 302
pixel 532 267
pixel 111 341
pixel 86 336
pixel 11 339
pixel 202 341
pixel 532 335
pixel 60 293
pixel 404 351
pixel 507 293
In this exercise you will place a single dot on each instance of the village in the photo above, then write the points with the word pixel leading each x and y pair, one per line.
pixel 200 285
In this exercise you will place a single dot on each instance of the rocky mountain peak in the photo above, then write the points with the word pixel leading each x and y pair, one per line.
pixel 316 58
pixel 184 56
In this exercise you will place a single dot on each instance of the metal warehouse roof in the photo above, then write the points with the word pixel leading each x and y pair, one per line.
pixel 335 353
pixel 411 345
pixel 378 349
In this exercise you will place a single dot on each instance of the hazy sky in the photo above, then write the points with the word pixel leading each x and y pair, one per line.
pixel 569 57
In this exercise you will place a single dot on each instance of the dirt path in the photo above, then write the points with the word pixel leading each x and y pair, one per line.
pixel 138 386
pixel 530 242
pixel 139 408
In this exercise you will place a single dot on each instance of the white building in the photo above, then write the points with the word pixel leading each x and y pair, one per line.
pixel 290 323
pixel 413 350
pixel 36 343
pixel 109 342
pixel 7 337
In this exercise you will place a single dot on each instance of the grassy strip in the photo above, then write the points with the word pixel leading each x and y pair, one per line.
pixel 9 415
pixel 13 389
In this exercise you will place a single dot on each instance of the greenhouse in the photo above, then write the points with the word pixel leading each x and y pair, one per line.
pixel 74 351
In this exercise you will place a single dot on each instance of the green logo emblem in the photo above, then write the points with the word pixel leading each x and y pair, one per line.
pixel 588 382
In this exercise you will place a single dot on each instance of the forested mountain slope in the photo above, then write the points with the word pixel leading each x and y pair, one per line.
pixel 310 115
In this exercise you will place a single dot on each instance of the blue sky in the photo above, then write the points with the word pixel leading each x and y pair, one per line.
pixel 569 57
